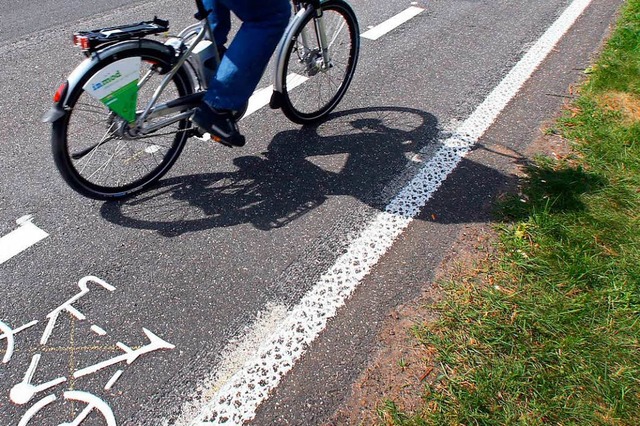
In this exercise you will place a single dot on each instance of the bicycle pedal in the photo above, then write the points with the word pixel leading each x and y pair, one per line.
pixel 197 133
pixel 206 137
pixel 220 141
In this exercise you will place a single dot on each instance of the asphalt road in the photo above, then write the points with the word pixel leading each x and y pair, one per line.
pixel 213 272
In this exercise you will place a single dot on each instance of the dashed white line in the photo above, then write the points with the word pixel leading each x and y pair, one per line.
pixel 392 23
pixel 20 239
pixel 258 99
pixel 261 98
pixel 238 399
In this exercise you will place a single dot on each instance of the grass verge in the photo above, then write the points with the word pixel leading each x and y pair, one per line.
pixel 547 331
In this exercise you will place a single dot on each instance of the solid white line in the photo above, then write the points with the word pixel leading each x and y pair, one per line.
pixel 392 23
pixel 20 239
pixel 238 399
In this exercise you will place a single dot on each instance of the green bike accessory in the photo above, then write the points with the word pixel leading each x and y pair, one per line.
pixel 116 86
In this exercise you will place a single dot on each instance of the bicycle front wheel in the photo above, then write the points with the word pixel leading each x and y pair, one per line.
pixel 95 150
pixel 311 86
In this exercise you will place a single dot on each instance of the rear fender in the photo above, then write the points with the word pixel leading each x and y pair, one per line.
pixel 100 59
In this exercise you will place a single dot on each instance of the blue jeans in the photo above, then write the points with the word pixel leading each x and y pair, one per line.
pixel 242 66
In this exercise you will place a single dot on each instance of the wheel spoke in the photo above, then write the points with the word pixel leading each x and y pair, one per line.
pixel 109 161
pixel 337 33
pixel 324 87
pixel 104 139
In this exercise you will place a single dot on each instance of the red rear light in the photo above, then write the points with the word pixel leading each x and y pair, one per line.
pixel 58 96
pixel 81 41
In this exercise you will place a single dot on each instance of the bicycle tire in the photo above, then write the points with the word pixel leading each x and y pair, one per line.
pixel 306 102
pixel 123 165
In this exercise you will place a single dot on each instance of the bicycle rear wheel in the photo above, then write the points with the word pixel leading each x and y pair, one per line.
pixel 94 149
pixel 311 89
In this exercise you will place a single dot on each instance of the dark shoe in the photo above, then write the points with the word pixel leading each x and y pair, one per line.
pixel 219 123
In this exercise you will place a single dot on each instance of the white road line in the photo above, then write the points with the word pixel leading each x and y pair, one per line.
pixel 155 344
pixel 238 399
pixel 20 239
pixel 261 98
pixel 392 23
pixel 239 349
pixel 258 99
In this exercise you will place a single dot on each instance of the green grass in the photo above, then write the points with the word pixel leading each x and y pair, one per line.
pixel 547 331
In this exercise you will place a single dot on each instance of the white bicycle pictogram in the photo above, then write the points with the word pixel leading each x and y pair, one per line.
pixel 22 393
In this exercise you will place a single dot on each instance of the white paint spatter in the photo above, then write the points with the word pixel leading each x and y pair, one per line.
pixel 239 398
pixel 392 23
pixel 20 239
pixel 232 358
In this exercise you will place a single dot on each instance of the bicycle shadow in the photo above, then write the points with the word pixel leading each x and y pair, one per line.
pixel 355 153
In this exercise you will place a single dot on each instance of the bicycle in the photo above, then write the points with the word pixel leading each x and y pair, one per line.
pixel 136 94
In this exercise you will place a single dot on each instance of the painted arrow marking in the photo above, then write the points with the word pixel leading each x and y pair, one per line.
pixel 155 343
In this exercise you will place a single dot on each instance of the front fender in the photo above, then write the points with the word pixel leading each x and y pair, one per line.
pixel 281 50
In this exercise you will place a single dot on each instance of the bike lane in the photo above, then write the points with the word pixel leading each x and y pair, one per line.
pixel 218 247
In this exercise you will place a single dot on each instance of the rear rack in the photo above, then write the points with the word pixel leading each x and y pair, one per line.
pixel 90 41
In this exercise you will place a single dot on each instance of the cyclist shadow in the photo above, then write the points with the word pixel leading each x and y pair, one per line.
pixel 355 153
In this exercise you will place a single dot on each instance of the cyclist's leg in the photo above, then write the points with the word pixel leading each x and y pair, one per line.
pixel 220 20
pixel 263 23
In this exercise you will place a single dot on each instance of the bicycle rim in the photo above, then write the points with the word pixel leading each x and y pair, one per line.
pixel 311 91
pixel 101 160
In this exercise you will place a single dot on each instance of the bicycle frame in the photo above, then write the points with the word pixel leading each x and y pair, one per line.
pixel 201 29
pixel 205 28
pixel 138 105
